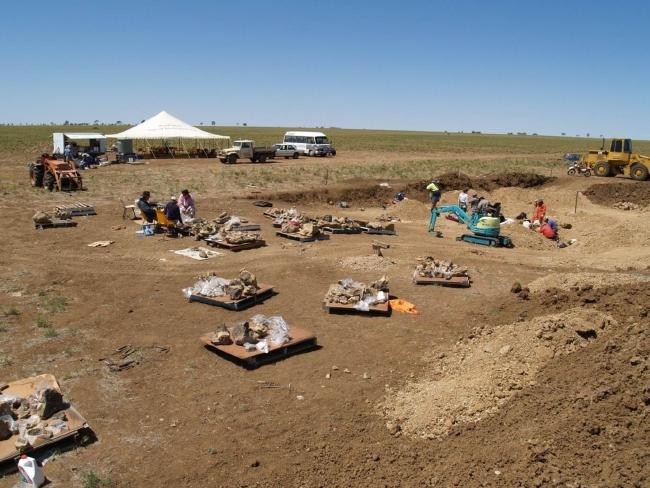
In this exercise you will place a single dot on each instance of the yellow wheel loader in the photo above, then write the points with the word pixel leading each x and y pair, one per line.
pixel 619 160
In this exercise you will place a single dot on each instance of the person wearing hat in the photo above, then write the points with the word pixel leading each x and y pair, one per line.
pixel 539 212
pixel 434 193
pixel 187 206
pixel 172 210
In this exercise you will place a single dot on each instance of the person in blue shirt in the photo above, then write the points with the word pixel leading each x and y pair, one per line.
pixel 147 208
pixel 173 211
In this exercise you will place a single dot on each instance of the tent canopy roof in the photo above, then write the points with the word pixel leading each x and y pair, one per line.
pixel 165 126
pixel 84 135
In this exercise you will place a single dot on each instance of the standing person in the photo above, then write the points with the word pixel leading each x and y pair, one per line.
pixel 463 199
pixel 435 194
pixel 147 208
pixel 187 206
pixel 539 212
pixel 67 153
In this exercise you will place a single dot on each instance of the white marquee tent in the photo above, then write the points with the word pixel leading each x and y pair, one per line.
pixel 166 127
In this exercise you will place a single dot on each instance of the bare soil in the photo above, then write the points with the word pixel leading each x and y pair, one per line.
pixel 568 410
pixel 637 192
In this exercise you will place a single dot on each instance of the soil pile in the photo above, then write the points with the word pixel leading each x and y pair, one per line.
pixel 483 374
pixel 370 192
pixel 557 391
pixel 411 210
pixel 526 238
pixel 460 181
pixel 610 194
pixel 583 281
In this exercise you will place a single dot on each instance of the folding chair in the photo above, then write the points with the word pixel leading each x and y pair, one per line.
pixel 126 208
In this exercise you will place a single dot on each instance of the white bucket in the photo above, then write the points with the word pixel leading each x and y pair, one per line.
pixel 30 471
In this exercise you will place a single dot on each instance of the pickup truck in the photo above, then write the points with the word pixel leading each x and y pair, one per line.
pixel 245 149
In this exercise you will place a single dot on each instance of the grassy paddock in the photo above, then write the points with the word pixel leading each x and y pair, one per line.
pixel 404 155
pixel 39 138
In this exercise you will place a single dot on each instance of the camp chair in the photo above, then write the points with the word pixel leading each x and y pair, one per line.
pixel 126 208
pixel 170 226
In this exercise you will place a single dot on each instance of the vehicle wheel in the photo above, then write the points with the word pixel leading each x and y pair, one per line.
pixel 639 172
pixel 253 160
pixel 603 168
pixel 286 157
pixel 48 181
pixel 262 159
pixel 295 155
pixel 571 172
pixel 232 158
pixel 333 153
pixel 223 160
pixel 36 175
pixel 587 173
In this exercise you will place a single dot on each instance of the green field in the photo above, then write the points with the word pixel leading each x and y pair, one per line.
pixel 362 154
pixel 38 138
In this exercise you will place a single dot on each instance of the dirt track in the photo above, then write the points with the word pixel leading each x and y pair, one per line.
pixel 188 418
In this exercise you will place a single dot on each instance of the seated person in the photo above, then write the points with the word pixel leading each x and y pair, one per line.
pixel 86 161
pixel 147 208
pixel 172 211
pixel 187 206
pixel 547 231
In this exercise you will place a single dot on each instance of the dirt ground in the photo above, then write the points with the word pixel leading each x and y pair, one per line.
pixel 484 387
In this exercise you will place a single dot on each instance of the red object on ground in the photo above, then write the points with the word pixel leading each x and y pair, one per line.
pixel 451 217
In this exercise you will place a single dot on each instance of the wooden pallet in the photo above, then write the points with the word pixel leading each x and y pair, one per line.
pixel 299 238
pixel 454 281
pixel 348 230
pixel 340 308
pixel 56 223
pixel 382 232
pixel 77 209
pixel 265 291
pixel 24 388
pixel 269 215
pixel 301 340
pixel 236 247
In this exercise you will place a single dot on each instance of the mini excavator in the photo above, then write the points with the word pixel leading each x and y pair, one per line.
pixel 485 226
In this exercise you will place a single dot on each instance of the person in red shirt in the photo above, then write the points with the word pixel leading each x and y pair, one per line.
pixel 539 212
pixel 547 231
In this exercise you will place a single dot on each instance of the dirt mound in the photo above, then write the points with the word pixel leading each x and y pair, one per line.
pixel 557 389
pixel 584 281
pixel 411 210
pixel 459 181
pixel 478 377
pixel 370 192
pixel 610 194
pixel 526 238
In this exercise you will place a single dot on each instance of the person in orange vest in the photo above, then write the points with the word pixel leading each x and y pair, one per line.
pixel 540 212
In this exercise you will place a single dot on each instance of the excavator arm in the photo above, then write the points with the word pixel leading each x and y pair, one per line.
pixel 463 218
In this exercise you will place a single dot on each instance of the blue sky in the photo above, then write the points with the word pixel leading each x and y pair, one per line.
pixel 496 66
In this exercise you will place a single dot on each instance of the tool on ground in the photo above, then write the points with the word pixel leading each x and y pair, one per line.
pixel 377 246
pixel 485 227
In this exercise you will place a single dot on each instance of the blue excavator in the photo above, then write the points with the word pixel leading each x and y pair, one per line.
pixel 484 225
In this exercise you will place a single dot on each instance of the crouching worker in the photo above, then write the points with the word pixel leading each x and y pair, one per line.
pixel 187 206
pixel 147 208
pixel 549 229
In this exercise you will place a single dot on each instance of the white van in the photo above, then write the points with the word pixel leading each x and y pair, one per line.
pixel 310 143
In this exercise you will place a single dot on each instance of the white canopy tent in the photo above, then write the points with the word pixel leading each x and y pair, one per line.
pixel 165 127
